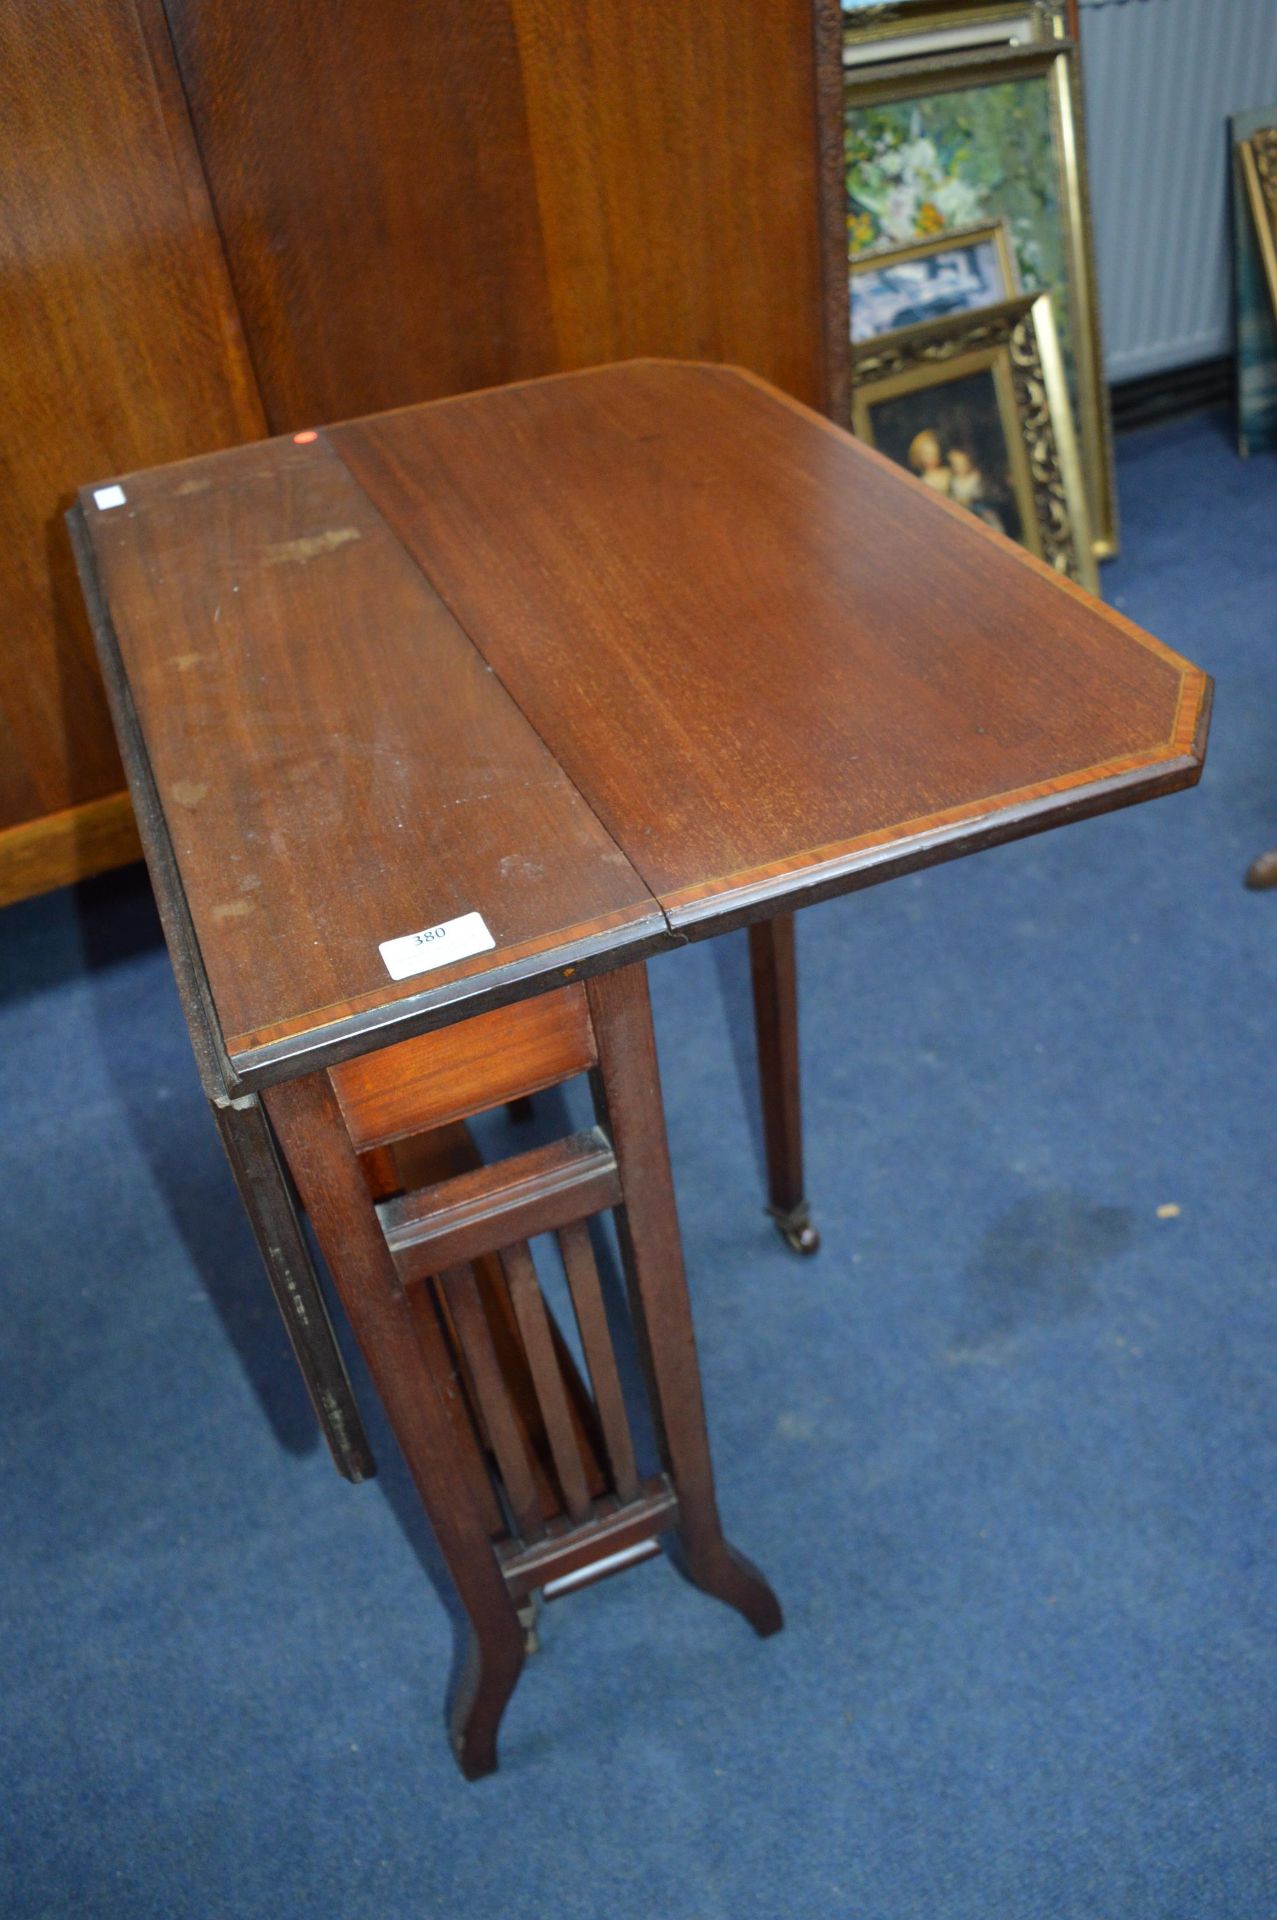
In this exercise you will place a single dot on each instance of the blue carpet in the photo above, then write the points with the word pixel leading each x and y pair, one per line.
pixel 1007 1448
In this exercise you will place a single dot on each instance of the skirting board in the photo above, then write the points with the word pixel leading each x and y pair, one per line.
pixel 63 847
pixel 1177 390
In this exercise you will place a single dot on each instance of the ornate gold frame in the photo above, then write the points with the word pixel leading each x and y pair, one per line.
pixel 1017 341
pixel 871 33
pixel 1258 157
pixel 1054 61
pixel 995 230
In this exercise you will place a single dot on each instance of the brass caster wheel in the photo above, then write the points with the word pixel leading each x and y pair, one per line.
pixel 1262 872
pixel 795 1228
pixel 527 1610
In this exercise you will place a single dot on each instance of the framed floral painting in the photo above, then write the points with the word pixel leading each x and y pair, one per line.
pixel 920 167
pixel 930 146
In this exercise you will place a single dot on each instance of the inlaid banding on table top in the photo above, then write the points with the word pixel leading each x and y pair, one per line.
pixel 744 635
pixel 336 764
pixel 345 1029
pixel 1000 817
pixel 600 658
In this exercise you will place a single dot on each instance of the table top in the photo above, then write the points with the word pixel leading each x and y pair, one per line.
pixel 609 659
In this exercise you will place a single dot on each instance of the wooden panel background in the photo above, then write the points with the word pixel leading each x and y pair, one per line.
pixel 417 200
pixel 370 165
pixel 387 202
pixel 119 347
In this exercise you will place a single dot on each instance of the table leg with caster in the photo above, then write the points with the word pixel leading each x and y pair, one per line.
pixel 774 973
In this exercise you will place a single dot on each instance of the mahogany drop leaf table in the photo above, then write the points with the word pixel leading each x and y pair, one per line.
pixel 438 725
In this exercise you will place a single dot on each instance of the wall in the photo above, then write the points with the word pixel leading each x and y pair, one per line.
pixel 1162 76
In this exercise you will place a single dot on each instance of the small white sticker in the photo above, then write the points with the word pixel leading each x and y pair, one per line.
pixel 436 946
pixel 105 497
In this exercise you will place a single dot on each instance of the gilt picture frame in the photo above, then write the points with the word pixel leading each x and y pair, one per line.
pixel 977 407
pixel 948 125
pixel 1255 279
pixel 877 30
pixel 958 271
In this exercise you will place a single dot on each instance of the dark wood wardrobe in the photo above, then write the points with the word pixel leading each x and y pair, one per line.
pixel 221 219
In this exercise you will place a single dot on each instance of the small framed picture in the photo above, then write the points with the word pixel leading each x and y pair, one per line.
pixel 958 272
pixel 976 405
pixel 913 29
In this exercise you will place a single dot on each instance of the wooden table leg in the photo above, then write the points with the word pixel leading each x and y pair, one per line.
pixel 628 1095
pixel 414 1375
pixel 263 1188
pixel 1262 871
pixel 774 972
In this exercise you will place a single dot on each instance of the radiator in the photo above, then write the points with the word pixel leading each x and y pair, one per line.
pixel 1161 78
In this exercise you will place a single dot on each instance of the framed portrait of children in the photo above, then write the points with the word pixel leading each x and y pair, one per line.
pixel 977 407
pixel 941 143
pixel 956 272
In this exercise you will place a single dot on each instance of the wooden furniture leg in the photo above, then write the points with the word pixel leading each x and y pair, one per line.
pixel 774 977
pixel 628 1096
pixel 440 1287
pixel 272 1215
pixel 774 973
pixel 396 1343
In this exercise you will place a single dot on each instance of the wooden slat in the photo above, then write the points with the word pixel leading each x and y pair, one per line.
pixel 534 1324
pixel 381 1171
pixel 495 1405
pixel 336 765
pixel 600 1359
pixel 610 1531
pixel 514 1199
pixel 445 1154
pixel 465 1069
pixel 467 1442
